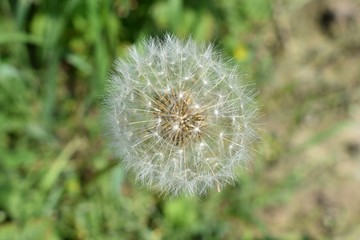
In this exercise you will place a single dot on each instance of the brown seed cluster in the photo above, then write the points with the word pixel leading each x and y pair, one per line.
pixel 178 120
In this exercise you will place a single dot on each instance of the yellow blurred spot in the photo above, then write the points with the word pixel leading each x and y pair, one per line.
pixel 73 186
pixel 241 53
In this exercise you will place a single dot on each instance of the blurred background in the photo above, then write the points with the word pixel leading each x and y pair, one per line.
pixel 58 179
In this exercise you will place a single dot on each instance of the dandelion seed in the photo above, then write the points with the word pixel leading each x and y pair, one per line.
pixel 180 117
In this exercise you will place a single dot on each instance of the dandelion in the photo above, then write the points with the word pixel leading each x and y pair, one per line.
pixel 179 116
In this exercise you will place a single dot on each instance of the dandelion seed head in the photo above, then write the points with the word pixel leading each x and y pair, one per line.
pixel 179 116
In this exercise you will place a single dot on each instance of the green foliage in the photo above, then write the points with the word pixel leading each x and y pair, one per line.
pixel 57 178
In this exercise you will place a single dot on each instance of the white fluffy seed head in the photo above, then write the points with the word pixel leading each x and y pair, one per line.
pixel 179 116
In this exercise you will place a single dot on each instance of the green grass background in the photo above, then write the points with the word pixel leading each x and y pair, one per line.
pixel 58 179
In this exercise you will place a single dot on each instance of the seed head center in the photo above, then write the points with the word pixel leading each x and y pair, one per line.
pixel 179 122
